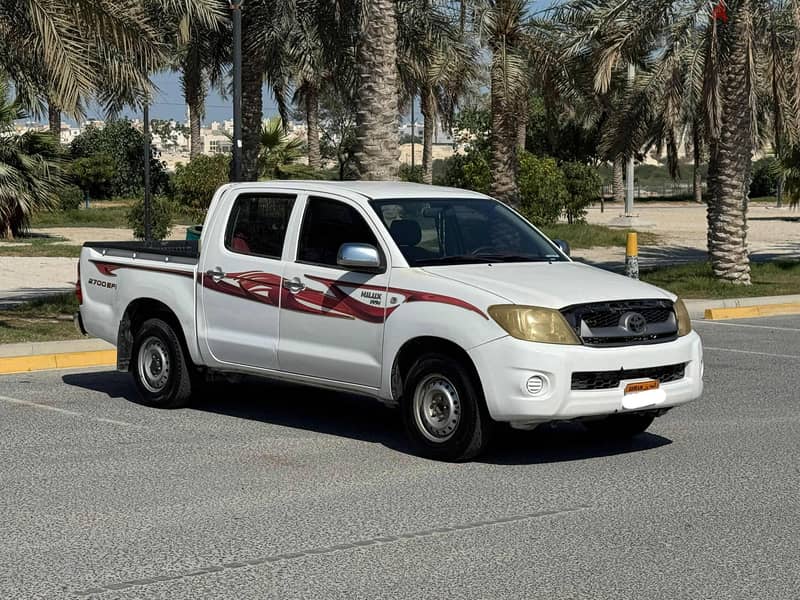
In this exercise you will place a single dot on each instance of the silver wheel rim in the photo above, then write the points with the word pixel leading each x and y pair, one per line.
pixel 437 408
pixel 154 365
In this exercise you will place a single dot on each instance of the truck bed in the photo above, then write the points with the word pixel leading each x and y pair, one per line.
pixel 183 251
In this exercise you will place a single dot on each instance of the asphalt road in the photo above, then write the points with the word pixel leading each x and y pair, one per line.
pixel 267 491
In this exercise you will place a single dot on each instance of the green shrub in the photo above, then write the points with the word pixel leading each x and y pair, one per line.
pixel 122 144
pixel 583 187
pixel 93 174
pixel 468 171
pixel 765 178
pixel 70 197
pixel 407 173
pixel 543 189
pixel 196 183
pixel 161 215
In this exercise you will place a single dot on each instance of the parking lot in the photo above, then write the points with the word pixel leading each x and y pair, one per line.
pixel 271 491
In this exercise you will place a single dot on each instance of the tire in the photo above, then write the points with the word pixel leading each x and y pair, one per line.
pixel 444 411
pixel 159 365
pixel 621 426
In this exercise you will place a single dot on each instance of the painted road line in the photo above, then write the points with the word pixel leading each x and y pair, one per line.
pixel 752 352
pixel 67 360
pixel 64 411
pixel 744 312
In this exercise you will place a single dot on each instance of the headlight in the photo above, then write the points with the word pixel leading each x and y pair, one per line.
pixel 684 320
pixel 534 324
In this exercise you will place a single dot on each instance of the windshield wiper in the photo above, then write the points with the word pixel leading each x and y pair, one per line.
pixel 516 257
pixel 456 259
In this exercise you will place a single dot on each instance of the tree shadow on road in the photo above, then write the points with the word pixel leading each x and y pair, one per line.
pixel 364 419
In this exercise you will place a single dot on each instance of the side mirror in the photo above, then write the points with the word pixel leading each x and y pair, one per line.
pixel 360 257
pixel 563 246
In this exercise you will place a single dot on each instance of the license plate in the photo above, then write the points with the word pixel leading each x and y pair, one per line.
pixel 641 386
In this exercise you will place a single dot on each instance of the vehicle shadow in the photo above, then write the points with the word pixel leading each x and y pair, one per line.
pixel 364 419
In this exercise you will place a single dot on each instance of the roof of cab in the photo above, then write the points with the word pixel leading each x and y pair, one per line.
pixel 374 190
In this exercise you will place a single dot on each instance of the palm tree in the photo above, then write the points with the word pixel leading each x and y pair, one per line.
pixel 203 51
pixel 30 170
pixel 320 50
pixel 378 153
pixel 502 26
pixel 266 27
pixel 729 58
pixel 437 62
pixel 103 49
pixel 277 150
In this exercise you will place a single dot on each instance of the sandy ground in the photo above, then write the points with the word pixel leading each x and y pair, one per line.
pixel 681 228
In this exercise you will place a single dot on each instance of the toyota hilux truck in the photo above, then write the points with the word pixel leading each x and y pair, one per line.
pixel 443 302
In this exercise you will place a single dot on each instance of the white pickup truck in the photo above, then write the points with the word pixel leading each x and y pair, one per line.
pixel 441 301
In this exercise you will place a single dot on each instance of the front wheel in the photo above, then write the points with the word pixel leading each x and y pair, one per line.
pixel 443 409
pixel 160 367
pixel 620 426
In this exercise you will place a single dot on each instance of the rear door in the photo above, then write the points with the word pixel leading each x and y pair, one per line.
pixel 241 273
pixel 332 318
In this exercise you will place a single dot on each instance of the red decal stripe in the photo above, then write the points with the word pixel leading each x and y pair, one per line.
pixel 266 288
pixel 107 268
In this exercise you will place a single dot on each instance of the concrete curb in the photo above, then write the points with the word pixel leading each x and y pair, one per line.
pixel 42 356
pixel 742 308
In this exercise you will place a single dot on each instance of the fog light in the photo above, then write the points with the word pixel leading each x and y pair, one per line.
pixel 534 385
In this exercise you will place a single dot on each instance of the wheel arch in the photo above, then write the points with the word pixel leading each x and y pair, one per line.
pixel 136 313
pixel 415 347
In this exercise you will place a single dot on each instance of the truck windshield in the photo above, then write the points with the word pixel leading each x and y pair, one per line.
pixel 446 231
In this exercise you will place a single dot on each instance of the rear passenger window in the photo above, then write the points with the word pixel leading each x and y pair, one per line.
pixel 258 223
pixel 327 225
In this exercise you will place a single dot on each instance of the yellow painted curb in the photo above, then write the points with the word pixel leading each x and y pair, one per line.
pixel 68 360
pixel 744 312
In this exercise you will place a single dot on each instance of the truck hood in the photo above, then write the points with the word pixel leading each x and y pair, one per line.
pixel 552 285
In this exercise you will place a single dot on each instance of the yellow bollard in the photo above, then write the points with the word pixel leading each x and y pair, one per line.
pixel 632 255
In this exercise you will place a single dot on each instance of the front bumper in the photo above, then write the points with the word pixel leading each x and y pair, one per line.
pixel 506 364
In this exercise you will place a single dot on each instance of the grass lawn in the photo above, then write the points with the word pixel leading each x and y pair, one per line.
pixel 39 246
pixel 42 320
pixel 586 235
pixel 98 216
pixel 697 281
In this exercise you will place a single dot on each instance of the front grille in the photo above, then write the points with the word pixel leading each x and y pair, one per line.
pixel 606 380
pixel 611 318
pixel 609 323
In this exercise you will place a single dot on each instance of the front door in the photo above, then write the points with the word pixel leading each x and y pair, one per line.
pixel 241 280
pixel 332 318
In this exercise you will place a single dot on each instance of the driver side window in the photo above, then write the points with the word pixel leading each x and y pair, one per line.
pixel 327 224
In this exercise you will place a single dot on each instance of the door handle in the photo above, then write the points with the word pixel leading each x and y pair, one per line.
pixel 217 275
pixel 294 285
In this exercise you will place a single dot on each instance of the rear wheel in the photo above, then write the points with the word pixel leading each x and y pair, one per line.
pixel 620 426
pixel 160 367
pixel 444 410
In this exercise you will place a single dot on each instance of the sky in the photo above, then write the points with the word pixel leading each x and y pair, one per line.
pixel 168 104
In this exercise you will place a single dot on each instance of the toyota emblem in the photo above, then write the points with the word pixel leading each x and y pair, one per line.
pixel 633 322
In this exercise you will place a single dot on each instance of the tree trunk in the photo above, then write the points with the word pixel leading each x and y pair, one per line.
pixel 731 154
pixel 378 154
pixel 697 149
pixel 194 94
pixel 54 117
pixel 504 161
pixel 428 107
pixel 522 123
pixel 253 69
pixel 618 180
pixel 196 141
pixel 312 127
